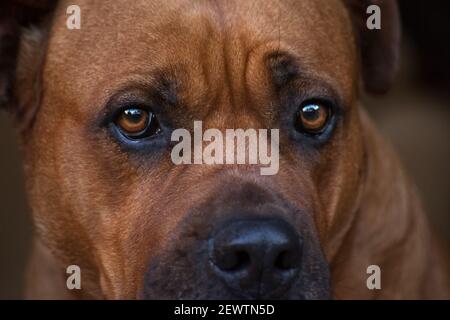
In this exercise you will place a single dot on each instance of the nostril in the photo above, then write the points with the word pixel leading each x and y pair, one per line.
pixel 235 261
pixel 285 261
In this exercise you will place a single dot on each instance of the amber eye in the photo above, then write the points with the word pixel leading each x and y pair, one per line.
pixel 312 118
pixel 136 123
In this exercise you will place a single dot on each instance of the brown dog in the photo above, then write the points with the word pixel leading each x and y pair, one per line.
pixel 96 108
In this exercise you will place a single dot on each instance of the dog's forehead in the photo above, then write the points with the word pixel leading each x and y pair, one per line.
pixel 125 41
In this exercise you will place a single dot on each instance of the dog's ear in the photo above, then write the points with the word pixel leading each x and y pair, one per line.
pixel 21 23
pixel 379 48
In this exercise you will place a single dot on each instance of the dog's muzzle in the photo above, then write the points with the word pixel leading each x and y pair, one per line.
pixel 246 244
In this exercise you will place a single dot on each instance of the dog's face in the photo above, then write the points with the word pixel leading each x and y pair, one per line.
pixel 104 190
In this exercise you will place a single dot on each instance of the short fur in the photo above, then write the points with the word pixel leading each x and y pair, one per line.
pixel 115 213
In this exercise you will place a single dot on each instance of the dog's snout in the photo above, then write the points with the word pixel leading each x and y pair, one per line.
pixel 256 258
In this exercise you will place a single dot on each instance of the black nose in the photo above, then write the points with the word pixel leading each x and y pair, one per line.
pixel 256 258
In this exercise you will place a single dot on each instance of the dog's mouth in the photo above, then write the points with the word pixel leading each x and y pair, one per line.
pixel 268 253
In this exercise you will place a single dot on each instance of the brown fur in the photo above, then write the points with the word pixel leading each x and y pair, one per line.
pixel 111 213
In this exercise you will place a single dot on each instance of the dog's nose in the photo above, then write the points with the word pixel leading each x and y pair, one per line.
pixel 256 258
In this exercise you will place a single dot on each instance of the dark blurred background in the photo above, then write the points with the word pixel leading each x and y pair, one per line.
pixel 415 115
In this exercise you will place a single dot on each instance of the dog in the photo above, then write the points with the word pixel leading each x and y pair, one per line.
pixel 96 106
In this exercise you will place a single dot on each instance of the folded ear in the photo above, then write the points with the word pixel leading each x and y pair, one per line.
pixel 379 48
pixel 18 20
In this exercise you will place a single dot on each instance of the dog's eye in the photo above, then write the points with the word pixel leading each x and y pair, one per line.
pixel 136 123
pixel 312 117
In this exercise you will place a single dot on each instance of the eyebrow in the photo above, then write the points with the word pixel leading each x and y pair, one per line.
pixel 161 87
pixel 165 87
pixel 283 68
